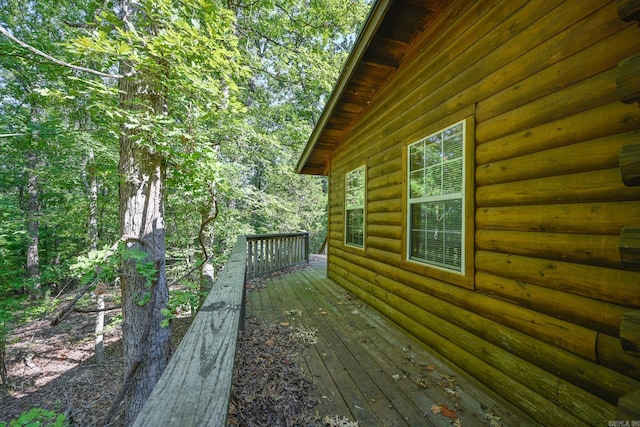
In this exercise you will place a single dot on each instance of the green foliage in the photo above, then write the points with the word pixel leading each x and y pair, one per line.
pixel 186 299
pixel 243 83
pixel 183 51
pixel 38 417
pixel 104 265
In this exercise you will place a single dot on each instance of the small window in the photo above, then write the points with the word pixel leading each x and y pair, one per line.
pixel 354 207
pixel 436 199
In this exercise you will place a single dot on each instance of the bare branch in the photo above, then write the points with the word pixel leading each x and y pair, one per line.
pixel 32 49
pixel 66 310
pixel 96 310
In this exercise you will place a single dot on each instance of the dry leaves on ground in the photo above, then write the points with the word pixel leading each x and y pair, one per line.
pixel 337 421
pixel 269 388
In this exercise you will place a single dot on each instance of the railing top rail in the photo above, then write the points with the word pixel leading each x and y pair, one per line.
pixel 275 235
pixel 195 388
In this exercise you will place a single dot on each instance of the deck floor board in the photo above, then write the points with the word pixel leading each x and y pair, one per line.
pixel 367 400
pixel 365 367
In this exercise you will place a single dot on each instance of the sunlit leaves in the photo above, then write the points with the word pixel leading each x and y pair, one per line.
pixel 187 54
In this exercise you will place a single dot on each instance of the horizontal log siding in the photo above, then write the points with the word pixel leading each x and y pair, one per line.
pixel 541 321
pixel 601 153
pixel 580 218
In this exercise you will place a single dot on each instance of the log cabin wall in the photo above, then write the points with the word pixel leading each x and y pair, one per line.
pixel 537 314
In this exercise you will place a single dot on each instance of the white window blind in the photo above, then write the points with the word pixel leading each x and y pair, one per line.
pixel 354 207
pixel 436 199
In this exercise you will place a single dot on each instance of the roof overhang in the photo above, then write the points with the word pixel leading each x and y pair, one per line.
pixel 386 37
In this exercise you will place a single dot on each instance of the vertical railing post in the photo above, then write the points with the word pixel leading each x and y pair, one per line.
pixel 270 252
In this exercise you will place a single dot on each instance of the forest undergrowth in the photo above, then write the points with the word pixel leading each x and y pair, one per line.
pixel 54 368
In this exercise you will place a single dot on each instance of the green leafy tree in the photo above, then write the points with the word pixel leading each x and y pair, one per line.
pixel 177 65
pixel 296 49
pixel 191 113
pixel 44 137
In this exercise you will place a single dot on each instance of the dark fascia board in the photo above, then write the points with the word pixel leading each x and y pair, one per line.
pixel 376 15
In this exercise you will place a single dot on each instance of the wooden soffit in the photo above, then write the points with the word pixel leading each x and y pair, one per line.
pixel 386 37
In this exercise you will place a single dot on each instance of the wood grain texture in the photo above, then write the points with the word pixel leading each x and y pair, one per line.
pixel 577 218
pixel 195 387
pixel 549 276
pixel 519 381
pixel 629 405
pixel 630 332
pixel 605 284
pixel 360 351
pixel 629 161
pixel 630 247
pixel 628 79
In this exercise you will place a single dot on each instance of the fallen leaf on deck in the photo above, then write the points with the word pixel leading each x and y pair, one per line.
pixel 494 420
pixel 421 382
pixel 448 412
pixel 336 421
pixel 306 335
pixel 293 313
pixel 442 409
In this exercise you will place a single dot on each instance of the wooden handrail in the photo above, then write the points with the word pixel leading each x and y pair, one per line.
pixel 271 252
pixel 195 388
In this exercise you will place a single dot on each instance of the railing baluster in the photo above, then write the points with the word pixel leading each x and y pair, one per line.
pixel 270 252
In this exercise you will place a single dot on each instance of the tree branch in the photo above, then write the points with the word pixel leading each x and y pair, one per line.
pixel 203 226
pixel 32 49
pixel 66 310
pixel 95 310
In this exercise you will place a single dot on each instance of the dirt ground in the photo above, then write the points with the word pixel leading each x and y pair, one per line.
pixel 54 368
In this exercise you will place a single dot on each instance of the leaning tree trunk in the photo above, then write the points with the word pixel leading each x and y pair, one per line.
pixel 147 345
pixel 208 213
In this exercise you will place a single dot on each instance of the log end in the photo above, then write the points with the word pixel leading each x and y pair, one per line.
pixel 630 247
pixel 629 407
pixel 630 333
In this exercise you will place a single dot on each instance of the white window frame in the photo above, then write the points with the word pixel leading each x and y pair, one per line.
pixel 353 207
pixel 439 198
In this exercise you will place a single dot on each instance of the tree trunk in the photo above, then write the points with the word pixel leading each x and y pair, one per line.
pixel 91 182
pixel 92 192
pixel 147 345
pixel 99 329
pixel 208 215
pixel 33 210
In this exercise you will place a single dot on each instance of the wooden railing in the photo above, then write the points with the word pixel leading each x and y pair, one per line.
pixel 270 252
pixel 195 388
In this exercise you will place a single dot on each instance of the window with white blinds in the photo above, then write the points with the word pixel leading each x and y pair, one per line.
pixel 436 199
pixel 354 207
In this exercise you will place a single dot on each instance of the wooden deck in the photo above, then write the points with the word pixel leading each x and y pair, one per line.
pixel 369 370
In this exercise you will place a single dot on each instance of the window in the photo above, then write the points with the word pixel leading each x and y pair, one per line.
pixel 436 199
pixel 354 207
